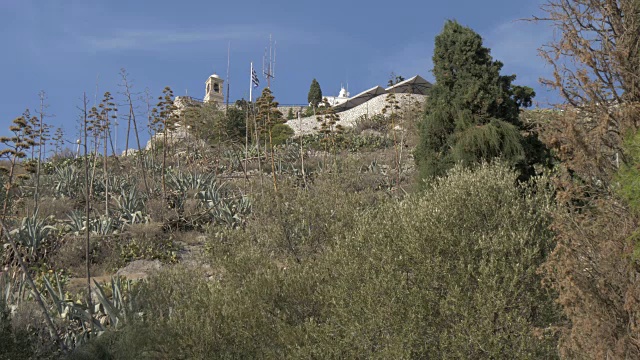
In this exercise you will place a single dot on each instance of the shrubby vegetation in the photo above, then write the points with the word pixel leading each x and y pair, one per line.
pixel 338 244
pixel 448 273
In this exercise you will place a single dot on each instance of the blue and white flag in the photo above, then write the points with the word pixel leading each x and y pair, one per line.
pixel 254 78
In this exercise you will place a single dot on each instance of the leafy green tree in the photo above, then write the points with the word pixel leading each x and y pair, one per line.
pixel 236 120
pixel 212 124
pixel 472 111
pixel 280 133
pixel 315 93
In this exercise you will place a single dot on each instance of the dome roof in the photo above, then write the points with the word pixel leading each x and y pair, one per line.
pixel 343 93
pixel 215 76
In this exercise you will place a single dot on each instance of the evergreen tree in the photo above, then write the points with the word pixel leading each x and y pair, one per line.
pixel 472 111
pixel 315 93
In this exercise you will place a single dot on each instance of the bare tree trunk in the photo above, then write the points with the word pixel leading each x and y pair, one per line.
pixel 132 118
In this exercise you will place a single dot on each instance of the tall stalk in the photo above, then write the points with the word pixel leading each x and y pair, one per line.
pixel 87 214
pixel 132 118
pixel 164 115
pixel 273 165
pixel 40 140
pixel 304 176
pixel 246 144
pixel 22 141
pixel 104 170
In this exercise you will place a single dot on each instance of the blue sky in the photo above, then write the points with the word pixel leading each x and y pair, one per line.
pixel 66 47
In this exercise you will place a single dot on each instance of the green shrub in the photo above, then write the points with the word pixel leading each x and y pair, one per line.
pixel 453 272
pixel 628 177
pixel 308 111
pixel 280 133
pixel 376 122
pixel 448 273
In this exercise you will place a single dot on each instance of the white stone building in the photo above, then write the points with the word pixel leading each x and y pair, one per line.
pixel 214 89
pixel 342 97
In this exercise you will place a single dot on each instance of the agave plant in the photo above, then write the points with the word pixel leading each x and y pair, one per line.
pixel 104 225
pixel 188 186
pixel 119 306
pixel 107 311
pixel 130 205
pixel 67 181
pixel 211 196
pixel 76 222
pixel 230 212
pixel 185 182
pixel 12 288
pixel 234 156
pixel 32 232
pixel 77 314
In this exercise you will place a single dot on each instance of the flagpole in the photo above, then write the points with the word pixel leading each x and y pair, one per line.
pixel 246 128
pixel 228 66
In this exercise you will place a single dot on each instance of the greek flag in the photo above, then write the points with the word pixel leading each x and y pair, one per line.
pixel 254 78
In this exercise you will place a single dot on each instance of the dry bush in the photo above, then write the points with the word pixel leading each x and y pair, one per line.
pixel 146 242
pixel 57 208
pixel 71 255
pixel 156 208
pixel 189 237
pixel 592 267
pixel 598 282
pixel 145 231
pixel 28 326
pixel 298 223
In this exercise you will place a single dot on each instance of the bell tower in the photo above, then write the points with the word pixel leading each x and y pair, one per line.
pixel 214 89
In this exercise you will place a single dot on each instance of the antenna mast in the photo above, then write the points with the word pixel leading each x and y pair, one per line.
pixel 269 64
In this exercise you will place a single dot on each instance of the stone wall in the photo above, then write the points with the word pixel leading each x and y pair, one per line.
pixel 295 108
pixel 349 117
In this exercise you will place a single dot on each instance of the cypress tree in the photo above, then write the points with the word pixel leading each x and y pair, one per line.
pixel 315 93
pixel 472 111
